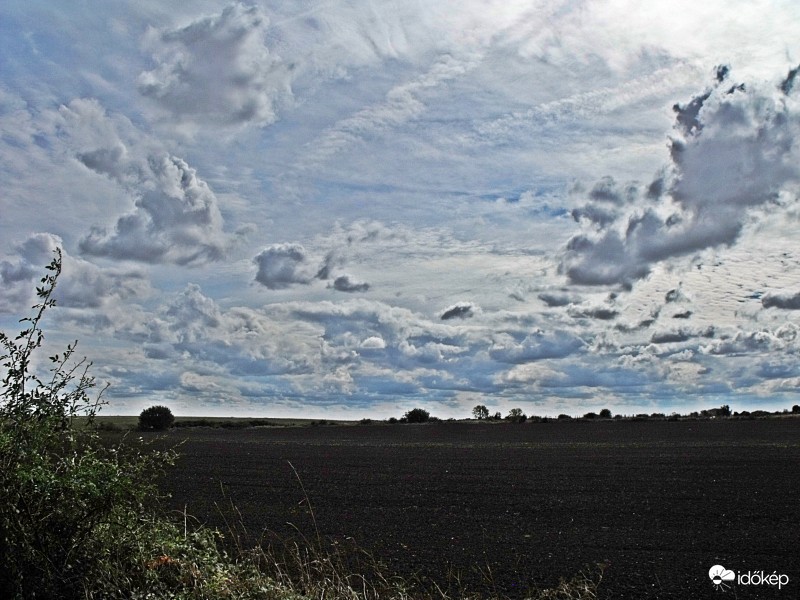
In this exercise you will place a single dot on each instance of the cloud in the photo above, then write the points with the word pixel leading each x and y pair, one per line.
pixel 536 346
pixel 344 283
pixel 282 265
pixel 784 300
pixel 733 150
pixel 462 310
pixel 217 70
pixel 556 300
pixel 602 313
pixel 176 217
pixel 681 335
pixel 82 285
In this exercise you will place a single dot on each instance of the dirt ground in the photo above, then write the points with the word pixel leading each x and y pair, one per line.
pixel 504 507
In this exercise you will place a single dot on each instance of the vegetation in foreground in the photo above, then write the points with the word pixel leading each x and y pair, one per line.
pixel 81 519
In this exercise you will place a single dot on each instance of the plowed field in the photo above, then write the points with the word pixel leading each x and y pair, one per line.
pixel 661 502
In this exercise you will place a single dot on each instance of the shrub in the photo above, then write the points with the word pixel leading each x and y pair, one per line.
pixel 417 415
pixel 590 415
pixel 156 418
pixel 66 499
pixel 563 417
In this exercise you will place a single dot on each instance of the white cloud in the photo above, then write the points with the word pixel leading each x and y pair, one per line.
pixel 733 150
pixel 217 70
pixel 282 265
pixel 82 285
pixel 176 216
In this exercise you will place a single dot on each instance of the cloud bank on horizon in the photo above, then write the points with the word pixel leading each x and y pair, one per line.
pixel 279 208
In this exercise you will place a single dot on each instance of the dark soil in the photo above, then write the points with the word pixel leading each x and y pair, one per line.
pixel 506 507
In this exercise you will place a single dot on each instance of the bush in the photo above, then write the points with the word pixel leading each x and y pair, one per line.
pixel 65 498
pixel 158 418
pixel 417 415
pixel 605 414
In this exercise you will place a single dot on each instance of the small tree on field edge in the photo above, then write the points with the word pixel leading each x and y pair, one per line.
pixel 515 415
pixel 480 412
pixel 417 415
pixel 158 418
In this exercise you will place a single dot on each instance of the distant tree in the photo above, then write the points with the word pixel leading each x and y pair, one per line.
pixel 590 415
pixel 605 414
pixel 497 416
pixel 417 415
pixel 515 415
pixel 480 412
pixel 158 418
pixel 563 417
pixel 796 409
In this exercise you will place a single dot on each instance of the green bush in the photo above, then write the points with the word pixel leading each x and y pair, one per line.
pixel 63 493
pixel 157 418
pixel 417 415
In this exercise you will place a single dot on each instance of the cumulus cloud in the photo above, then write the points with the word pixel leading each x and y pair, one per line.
pixel 282 265
pixel 785 300
pixel 344 283
pixel 82 285
pixel 554 300
pixel 192 327
pixel 217 70
pixel 535 346
pixel 733 150
pixel 176 217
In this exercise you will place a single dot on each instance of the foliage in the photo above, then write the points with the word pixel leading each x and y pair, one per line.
pixel 480 412
pixel 515 415
pixel 417 415
pixel 605 414
pixel 61 489
pixel 157 418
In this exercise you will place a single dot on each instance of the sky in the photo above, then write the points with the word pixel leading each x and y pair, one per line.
pixel 351 209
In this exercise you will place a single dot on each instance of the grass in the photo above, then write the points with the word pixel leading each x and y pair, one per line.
pixel 130 422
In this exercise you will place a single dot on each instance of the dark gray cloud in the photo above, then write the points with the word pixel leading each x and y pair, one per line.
pixel 344 283
pixel 556 300
pixel 682 335
pixel 462 310
pixel 217 70
pixel 733 150
pixel 602 313
pixel 785 300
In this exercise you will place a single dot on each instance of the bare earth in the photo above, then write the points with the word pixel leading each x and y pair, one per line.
pixel 660 501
